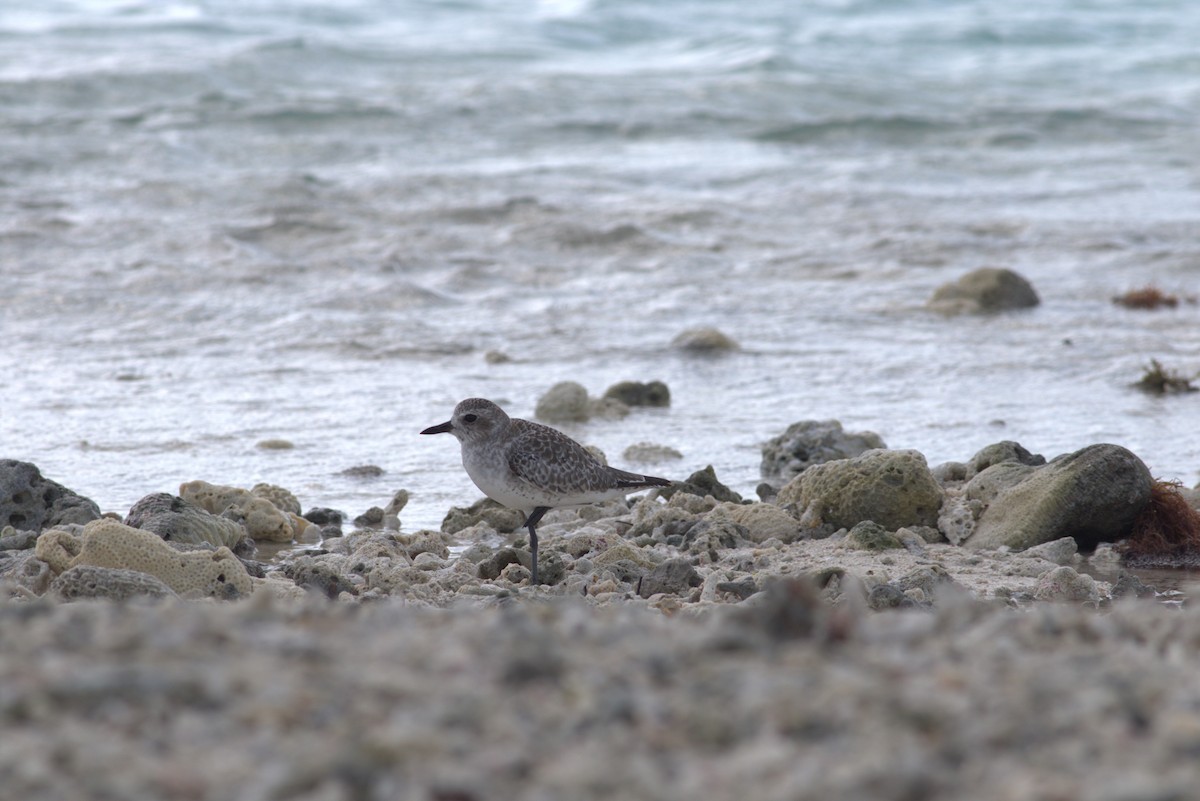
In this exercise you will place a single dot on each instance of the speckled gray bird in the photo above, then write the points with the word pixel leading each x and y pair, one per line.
pixel 532 467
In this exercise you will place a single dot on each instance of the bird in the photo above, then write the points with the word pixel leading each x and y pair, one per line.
pixel 531 467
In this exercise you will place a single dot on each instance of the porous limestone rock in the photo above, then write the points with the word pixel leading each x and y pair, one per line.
pixel 1092 495
pixel 109 543
pixel 262 519
pixel 177 520
pixel 114 584
pixel 809 442
pixel 988 289
pixel 281 498
pixel 30 502
pixel 891 488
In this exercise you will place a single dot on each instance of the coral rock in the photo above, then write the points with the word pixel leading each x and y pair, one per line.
pixel 108 543
pixel 262 519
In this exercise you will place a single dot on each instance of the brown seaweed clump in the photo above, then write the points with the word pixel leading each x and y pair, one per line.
pixel 1161 381
pixel 1167 532
pixel 1148 297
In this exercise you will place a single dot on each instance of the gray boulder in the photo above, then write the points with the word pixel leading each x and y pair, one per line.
pixel 32 503
pixel 1093 495
pixel 988 289
pixel 811 442
pixel 675 576
pixel 891 488
pixel 565 402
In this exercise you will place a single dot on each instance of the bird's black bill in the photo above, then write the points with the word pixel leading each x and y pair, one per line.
pixel 443 428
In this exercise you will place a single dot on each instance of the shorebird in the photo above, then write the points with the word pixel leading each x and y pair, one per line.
pixel 532 467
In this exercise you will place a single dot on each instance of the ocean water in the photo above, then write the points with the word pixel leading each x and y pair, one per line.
pixel 224 222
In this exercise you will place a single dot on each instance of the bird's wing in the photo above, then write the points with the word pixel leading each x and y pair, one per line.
pixel 550 460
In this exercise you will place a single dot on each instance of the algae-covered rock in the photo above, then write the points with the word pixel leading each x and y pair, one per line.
pixel 891 488
pixel 108 543
pixel 1092 495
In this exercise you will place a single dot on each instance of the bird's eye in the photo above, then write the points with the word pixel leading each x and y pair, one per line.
pixel 470 418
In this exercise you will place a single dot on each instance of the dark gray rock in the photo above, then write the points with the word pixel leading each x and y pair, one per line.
pixel 742 588
pixel 30 502
pixel 88 581
pixel 811 442
pixel 317 577
pixel 328 520
pixel 702 482
pixel 485 510
pixel 491 568
pixel 18 540
pixel 675 576
pixel 1093 495
pixel 888 596
pixel 636 393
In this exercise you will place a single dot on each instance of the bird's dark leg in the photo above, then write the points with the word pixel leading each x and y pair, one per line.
pixel 531 523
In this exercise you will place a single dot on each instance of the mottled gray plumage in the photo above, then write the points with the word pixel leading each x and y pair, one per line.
pixel 532 467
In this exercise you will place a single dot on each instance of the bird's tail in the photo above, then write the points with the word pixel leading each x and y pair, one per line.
pixel 624 479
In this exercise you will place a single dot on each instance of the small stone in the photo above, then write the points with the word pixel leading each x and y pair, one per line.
pixel 703 341
pixel 274 445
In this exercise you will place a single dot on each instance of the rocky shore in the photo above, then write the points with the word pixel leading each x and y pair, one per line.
pixel 869 627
